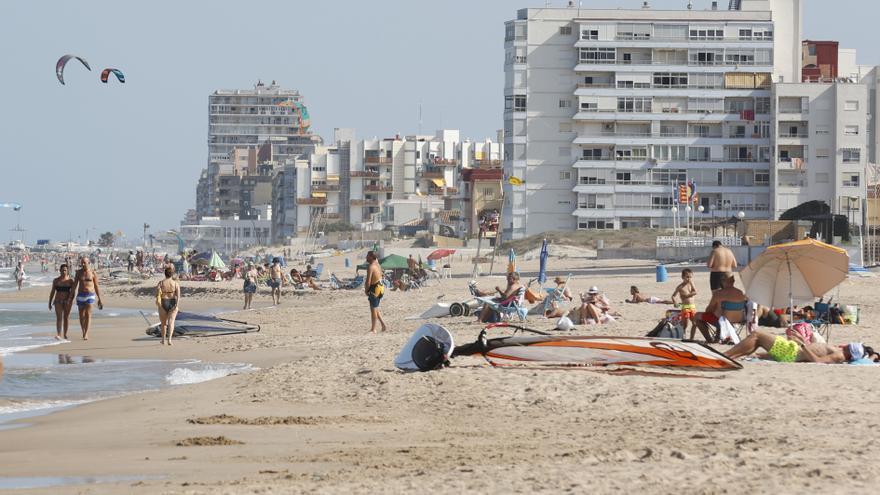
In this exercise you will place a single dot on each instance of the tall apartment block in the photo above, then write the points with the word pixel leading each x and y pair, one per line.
pixel 607 110
pixel 245 119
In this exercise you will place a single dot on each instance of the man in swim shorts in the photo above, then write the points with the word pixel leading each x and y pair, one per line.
pixel 783 350
pixel 276 281
pixel 374 289
pixel 87 293
pixel 721 262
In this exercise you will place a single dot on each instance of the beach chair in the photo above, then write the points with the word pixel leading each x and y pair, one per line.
pixel 512 306
pixel 555 295
pixel 319 270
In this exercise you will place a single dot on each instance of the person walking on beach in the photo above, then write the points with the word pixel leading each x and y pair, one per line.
pixel 375 290
pixel 276 281
pixel 721 263
pixel 167 298
pixel 87 293
pixel 250 285
pixel 687 292
pixel 61 296
pixel 19 275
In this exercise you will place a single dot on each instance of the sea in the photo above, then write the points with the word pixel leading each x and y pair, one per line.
pixel 46 379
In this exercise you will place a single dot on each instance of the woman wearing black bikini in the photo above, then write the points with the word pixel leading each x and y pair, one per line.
pixel 167 297
pixel 61 297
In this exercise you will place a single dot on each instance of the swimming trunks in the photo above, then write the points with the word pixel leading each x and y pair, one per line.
pixel 771 320
pixel 169 304
pixel 249 287
pixel 375 293
pixel 274 283
pixel 86 298
pixel 688 311
pixel 710 318
pixel 784 350
pixel 715 280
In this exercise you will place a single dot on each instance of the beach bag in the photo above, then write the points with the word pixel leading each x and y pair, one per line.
pixel 666 330
pixel 804 330
pixel 428 354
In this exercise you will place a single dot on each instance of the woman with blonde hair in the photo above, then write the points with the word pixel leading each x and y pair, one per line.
pixel 167 299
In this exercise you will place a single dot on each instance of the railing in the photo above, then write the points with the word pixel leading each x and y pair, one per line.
pixel 795 135
pixel 793 110
pixel 311 201
pixel 682 63
pixel 681 160
pixel 673 110
pixel 332 216
pixel 442 161
pixel 378 188
pixel 364 174
pixel 666 86
pixel 661 183
pixel 365 202
pixel 687 241
pixel 431 175
pixel 648 37
pixel 489 163
pixel 325 187
pixel 377 159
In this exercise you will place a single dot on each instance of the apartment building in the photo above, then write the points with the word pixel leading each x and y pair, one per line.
pixel 820 146
pixel 607 110
pixel 247 126
pixel 373 183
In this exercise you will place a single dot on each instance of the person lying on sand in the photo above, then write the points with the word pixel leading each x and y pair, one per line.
pixel 638 298
pixel 795 349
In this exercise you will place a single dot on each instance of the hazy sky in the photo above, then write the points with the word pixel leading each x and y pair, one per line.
pixel 109 157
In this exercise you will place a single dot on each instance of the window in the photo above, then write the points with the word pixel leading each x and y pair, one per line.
pixel 624 177
pixel 811 49
pixel 519 103
pixel 823 153
pixel 851 130
pixel 706 57
pixel 762 178
pixel 633 31
pixel 850 179
pixel 698 154
pixel 741 57
pixel 565 30
pixel 631 154
pixel 661 202
pixel 745 34
pixel 706 34
pixel 564 103
pixel 851 105
pixel 596 224
pixel 822 130
pixel 487 193
pixel 634 104
pixel 592 154
pixel 670 31
pixel 590 34
pixel 852 155
pixel 598 55
pixel 588 106
pixel 670 80
pixel 565 175
pixel 706 81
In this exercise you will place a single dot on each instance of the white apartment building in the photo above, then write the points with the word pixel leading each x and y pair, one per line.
pixel 821 146
pixel 607 110
pixel 372 183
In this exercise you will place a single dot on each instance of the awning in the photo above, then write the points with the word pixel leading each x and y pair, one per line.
pixel 439 182
pixel 319 195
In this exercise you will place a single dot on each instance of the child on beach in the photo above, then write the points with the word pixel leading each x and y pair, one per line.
pixel 638 298
pixel 687 291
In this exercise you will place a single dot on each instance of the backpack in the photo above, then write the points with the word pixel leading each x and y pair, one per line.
pixel 666 330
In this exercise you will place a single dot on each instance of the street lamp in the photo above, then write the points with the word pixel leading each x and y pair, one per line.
pixel 712 210
pixel 739 217
pixel 701 210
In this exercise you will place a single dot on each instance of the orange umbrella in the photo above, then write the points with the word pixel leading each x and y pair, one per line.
pixel 440 254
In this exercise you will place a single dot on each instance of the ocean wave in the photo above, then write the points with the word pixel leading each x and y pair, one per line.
pixel 12 407
pixel 185 376
pixel 9 350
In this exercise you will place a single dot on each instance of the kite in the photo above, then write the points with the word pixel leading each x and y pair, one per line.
pixel 59 66
pixel 116 72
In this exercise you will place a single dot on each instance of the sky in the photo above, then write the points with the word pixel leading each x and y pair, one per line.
pixel 88 157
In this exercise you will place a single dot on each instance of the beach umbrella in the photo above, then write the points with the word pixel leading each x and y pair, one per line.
pixel 542 271
pixel 216 262
pixel 390 262
pixel 794 273
pixel 439 254
pixel 511 261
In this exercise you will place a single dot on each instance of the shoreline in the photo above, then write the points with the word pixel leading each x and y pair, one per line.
pixel 327 412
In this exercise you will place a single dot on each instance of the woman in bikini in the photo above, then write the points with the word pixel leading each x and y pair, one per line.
pixel 61 296
pixel 167 298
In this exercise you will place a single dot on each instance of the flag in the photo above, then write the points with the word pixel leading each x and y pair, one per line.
pixel 683 195
pixel 515 181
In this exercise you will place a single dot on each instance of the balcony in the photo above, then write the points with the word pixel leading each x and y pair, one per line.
pixel 800 134
pixel 332 216
pixel 365 202
pixel 378 188
pixel 446 162
pixel 366 174
pixel 311 201
pixel 487 163
pixel 431 173
pixel 382 160
pixel 325 187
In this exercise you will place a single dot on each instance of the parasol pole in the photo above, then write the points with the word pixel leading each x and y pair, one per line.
pixel 790 296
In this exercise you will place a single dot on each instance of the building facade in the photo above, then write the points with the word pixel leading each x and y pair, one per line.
pixel 606 111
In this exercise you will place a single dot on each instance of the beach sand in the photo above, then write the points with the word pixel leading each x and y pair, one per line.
pixel 328 413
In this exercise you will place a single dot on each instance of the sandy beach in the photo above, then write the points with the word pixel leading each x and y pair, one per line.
pixel 327 412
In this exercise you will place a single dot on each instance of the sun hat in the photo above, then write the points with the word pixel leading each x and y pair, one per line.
pixel 856 351
pixel 593 290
